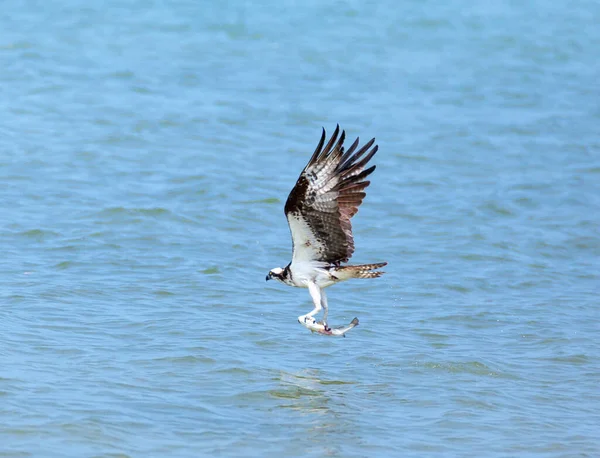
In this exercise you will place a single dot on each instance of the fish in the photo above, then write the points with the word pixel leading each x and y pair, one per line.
pixel 320 328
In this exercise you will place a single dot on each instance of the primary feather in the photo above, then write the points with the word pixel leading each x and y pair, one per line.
pixel 325 198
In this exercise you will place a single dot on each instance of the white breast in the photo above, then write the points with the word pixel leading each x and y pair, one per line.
pixel 310 271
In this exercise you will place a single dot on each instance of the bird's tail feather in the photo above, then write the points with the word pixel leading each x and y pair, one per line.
pixel 360 271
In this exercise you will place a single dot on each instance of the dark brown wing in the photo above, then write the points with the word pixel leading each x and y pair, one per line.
pixel 326 196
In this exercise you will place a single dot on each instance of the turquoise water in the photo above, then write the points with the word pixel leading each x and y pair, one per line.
pixel 146 151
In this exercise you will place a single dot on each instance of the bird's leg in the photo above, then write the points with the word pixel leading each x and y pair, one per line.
pixel 315 293
pixel 325 307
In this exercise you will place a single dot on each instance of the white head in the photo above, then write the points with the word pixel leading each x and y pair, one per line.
pixel 276 273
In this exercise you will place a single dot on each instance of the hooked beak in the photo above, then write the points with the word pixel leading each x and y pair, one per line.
pixel 268 276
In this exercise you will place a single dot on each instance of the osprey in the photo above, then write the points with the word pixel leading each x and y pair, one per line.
pixel 319 208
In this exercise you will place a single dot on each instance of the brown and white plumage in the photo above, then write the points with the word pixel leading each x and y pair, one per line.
pixel 319 209
pixel 326 196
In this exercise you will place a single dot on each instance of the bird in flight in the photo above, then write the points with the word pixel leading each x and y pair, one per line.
pixel 319 208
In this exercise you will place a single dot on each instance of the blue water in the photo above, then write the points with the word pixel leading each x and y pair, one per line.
pixel 146 152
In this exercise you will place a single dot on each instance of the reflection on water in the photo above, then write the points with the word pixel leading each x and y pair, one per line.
pixel 308 393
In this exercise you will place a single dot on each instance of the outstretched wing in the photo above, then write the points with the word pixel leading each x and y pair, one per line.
pixel 326 196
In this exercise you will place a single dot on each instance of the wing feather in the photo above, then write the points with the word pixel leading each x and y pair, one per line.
pixel 326 196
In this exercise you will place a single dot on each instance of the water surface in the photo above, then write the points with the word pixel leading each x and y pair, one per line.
pixel 146 152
